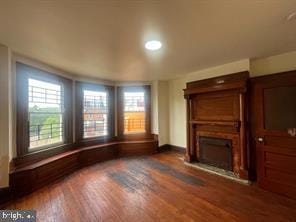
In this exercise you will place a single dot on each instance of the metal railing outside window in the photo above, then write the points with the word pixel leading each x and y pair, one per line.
pixel 134 112
pixel 95 114
pixel 45 113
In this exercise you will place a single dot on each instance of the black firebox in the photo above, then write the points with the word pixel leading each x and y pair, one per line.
pixel 216 152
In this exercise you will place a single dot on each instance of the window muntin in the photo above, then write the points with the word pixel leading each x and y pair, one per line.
pixel 95 113
pixel 134 112
pixel 45 113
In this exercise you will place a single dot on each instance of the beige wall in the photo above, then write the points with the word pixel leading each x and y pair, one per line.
pixel 163 112
pixel 273 64
pixel 5 114
pixel 177 109
pixel 154 108
pixel 160 111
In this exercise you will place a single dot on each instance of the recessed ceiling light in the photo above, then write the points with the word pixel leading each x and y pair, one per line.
pixel 153 45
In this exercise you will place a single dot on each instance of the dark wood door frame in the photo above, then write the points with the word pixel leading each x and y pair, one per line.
pixel 275 149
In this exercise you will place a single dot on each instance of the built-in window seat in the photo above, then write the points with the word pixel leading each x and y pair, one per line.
pixel 27 178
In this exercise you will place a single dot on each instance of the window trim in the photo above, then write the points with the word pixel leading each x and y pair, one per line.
pixel 79 88
pixel 23 73
pixel 120 112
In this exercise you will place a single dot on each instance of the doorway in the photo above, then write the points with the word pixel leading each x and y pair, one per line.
pixel 274 112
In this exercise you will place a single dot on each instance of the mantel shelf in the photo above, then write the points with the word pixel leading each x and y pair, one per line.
pixel 235 124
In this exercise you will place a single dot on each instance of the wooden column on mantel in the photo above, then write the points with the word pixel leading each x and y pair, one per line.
pixel 189 155
pixel 217 108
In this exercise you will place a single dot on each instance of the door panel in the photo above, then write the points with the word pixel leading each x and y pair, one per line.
pixel 279 110
pixel 280 161
pixel 276 175
pixel 278 141
pixel 216 106
pixel 275 111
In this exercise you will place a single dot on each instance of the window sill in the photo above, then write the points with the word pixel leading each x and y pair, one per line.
pixel 94 141
pixel 136 136
pixel 44 148
pixel 37 155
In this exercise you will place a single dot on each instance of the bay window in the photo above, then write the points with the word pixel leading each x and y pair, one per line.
pixel 44 113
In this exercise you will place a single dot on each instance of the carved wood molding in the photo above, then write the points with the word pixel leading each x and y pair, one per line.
pixel 237 81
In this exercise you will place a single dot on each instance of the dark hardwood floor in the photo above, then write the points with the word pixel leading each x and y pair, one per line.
pixel 155 188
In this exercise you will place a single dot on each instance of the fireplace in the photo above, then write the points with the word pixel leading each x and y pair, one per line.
pixel 217 123
pixel 216 152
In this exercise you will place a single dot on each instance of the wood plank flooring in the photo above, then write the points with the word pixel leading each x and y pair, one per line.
pixel 155 188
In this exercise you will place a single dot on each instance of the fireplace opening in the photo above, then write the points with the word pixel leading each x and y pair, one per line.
pixel 216 152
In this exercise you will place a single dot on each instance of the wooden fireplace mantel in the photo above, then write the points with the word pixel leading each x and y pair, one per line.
pixel 235 124
pixel 217 107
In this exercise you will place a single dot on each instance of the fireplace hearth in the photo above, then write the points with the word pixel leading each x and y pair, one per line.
pixel 216 152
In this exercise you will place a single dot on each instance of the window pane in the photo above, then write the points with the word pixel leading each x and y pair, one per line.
pixel 95 114
pixel 45 113
pixel 280 108
pixel 134 112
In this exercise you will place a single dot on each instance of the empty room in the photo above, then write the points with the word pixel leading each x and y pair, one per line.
pixel 147 110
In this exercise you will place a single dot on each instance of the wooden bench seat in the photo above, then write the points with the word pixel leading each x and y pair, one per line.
pixel 25 179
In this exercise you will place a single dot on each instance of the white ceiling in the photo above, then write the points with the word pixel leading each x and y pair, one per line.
pixel 106 39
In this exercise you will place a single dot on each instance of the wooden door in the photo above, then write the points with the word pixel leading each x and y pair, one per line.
pixel 275 116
